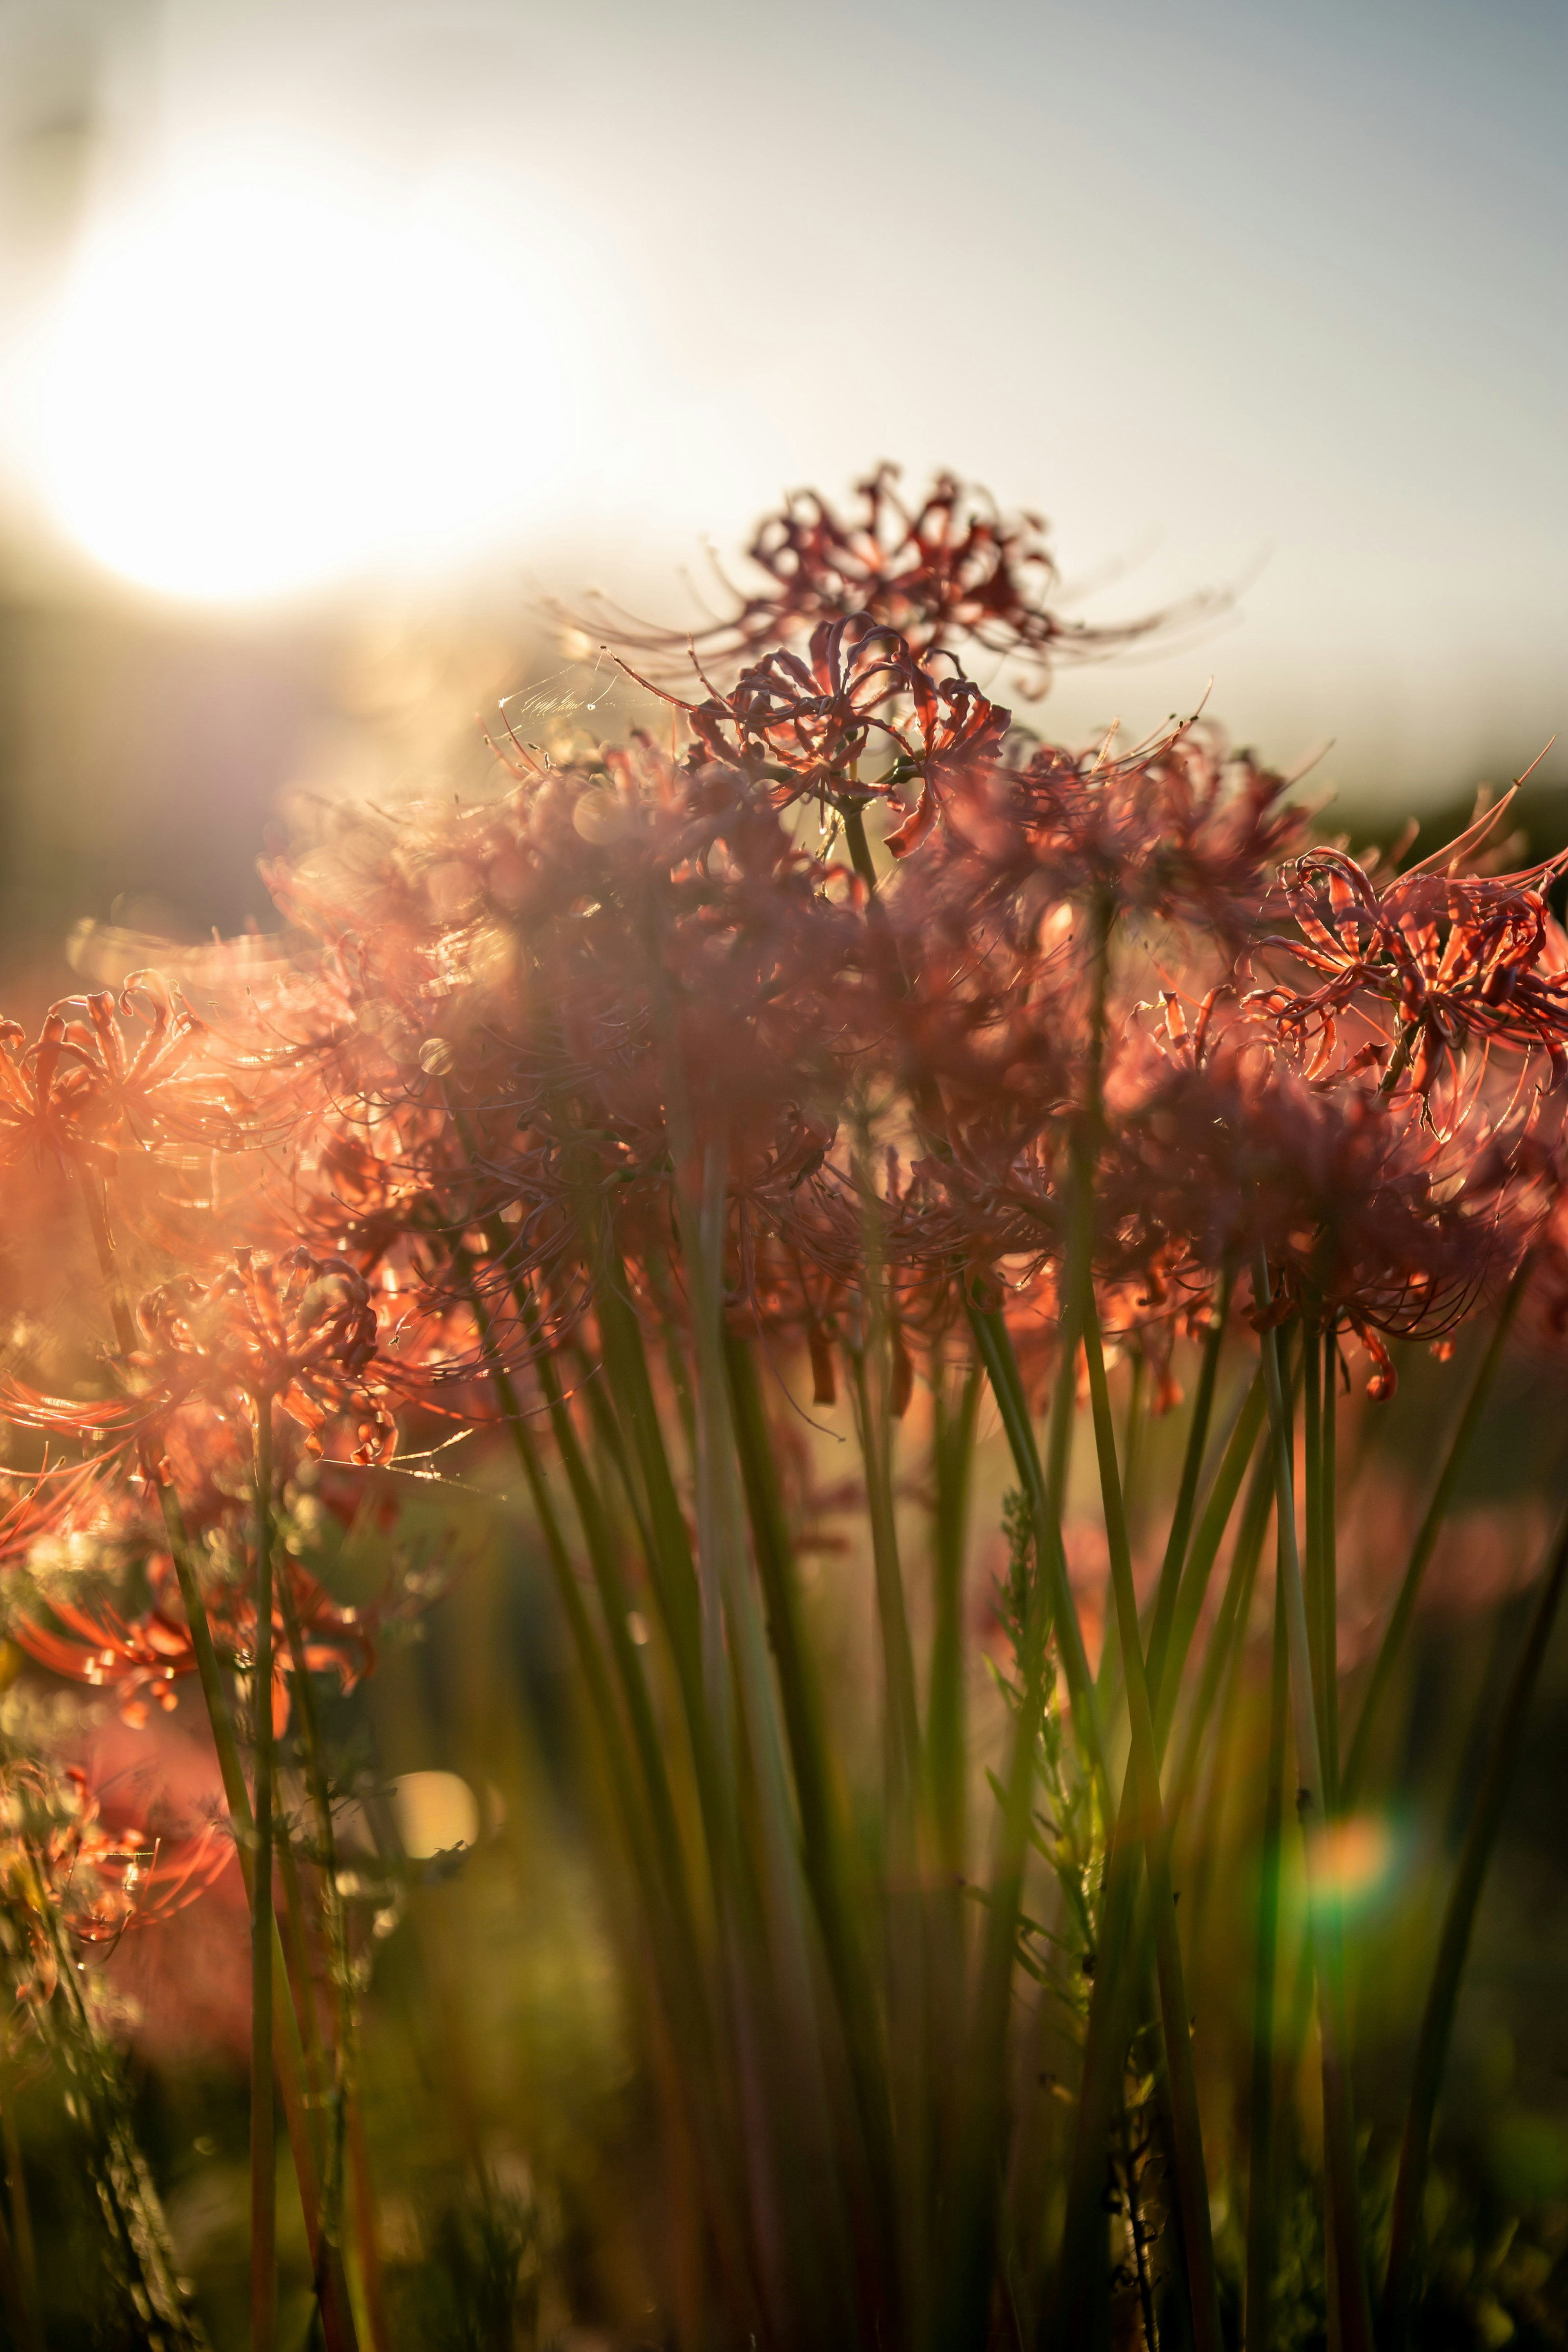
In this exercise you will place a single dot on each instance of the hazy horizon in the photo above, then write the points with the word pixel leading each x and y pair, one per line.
pixel 1236 297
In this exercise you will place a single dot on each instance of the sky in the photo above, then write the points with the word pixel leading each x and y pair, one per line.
pixel 312 312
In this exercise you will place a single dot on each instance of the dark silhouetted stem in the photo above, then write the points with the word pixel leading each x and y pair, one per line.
pixel 1180 1528
pixel 952 1455
pixel 263 2157
pixel 24 2256
pixel 1328 1567
pixel 1167 1658
pixel 1187 2148
pixel 861 855
pixel 1260 2229
pixel 1437 2018
pixel 1322 1905
pixel 1426 1535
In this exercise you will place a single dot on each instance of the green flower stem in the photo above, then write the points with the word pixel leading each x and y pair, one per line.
pixel 612 1444
pixel 962 2322
pixel 1168 1655
pixel 1228 1633
pixel 675 1572
pixel 669 1888
pixel 372 2286
pixel 126 2194
pixel 1122 1944
pixel 665 1899
pixel 1398 1627
pixel 1179 1536
pixel 21 2307
pixel 1191 2181
pixel 1262 2160
pixel 1328 1567
pixel 822 1831
pixel 859 848
pixel 953 1459
pixel 1399 1059
pixel 1458 1921
pixel 263 1924
pixel 1204 1833
pixel 1322 1906
pixel 24 2254
pixel 874 1429
pixel 321 2088
pixel 967 2271
pixel 341 2088
pixel 994 1344
pixel 616 1603
pixel 796 2094
pixel 288 2056
pixel 1312 1560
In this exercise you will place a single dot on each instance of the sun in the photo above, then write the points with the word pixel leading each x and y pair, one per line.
pixel 256 386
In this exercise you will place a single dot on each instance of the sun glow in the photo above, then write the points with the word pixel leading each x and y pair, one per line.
pixel 258 385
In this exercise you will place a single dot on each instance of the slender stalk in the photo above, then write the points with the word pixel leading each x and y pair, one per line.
pixel 1179 1536
pixel 952 1457
pixel 616 1602
pixel 1168 1657
pixel 289 2058
pixel 263 2155
pixel 1328 1567
pixel 686 1613
pixel 288 2050
pixel 861 855
pixel 1229 1631
pixel 21 2313
pixel 1191 2181
pixel 1050 1598
pixel 1399 1059
pixel 1458 1921
pixel 1260 2226
pixel 1312 1482
pixel 24 2259
pixel 822 1830
pixel 902 1736
pixel 1205 1835
pixel 126 2193
pixel 1398 1627
pixel 967 2271
pixel 339 2090
pixel 1322 1907
pixel 1044 1495
pixel 366 2241
pixel 797 2102
pixel 648 1828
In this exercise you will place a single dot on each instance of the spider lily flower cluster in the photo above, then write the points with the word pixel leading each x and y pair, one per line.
pixel 855 1053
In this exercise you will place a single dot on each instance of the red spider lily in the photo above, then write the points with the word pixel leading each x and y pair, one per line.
pixel 1456 961
pixel 296 1331
pixel 142 1654
pixel 952 570
pixel 1367 1217
pixel 1182 830
pixel 805 725
pixel 164 1087
pixel 59 1855
pixel 91 1086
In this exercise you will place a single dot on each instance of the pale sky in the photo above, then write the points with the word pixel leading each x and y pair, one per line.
pixel 317 306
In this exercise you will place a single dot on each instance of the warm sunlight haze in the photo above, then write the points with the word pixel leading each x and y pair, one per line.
pixel 262 383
